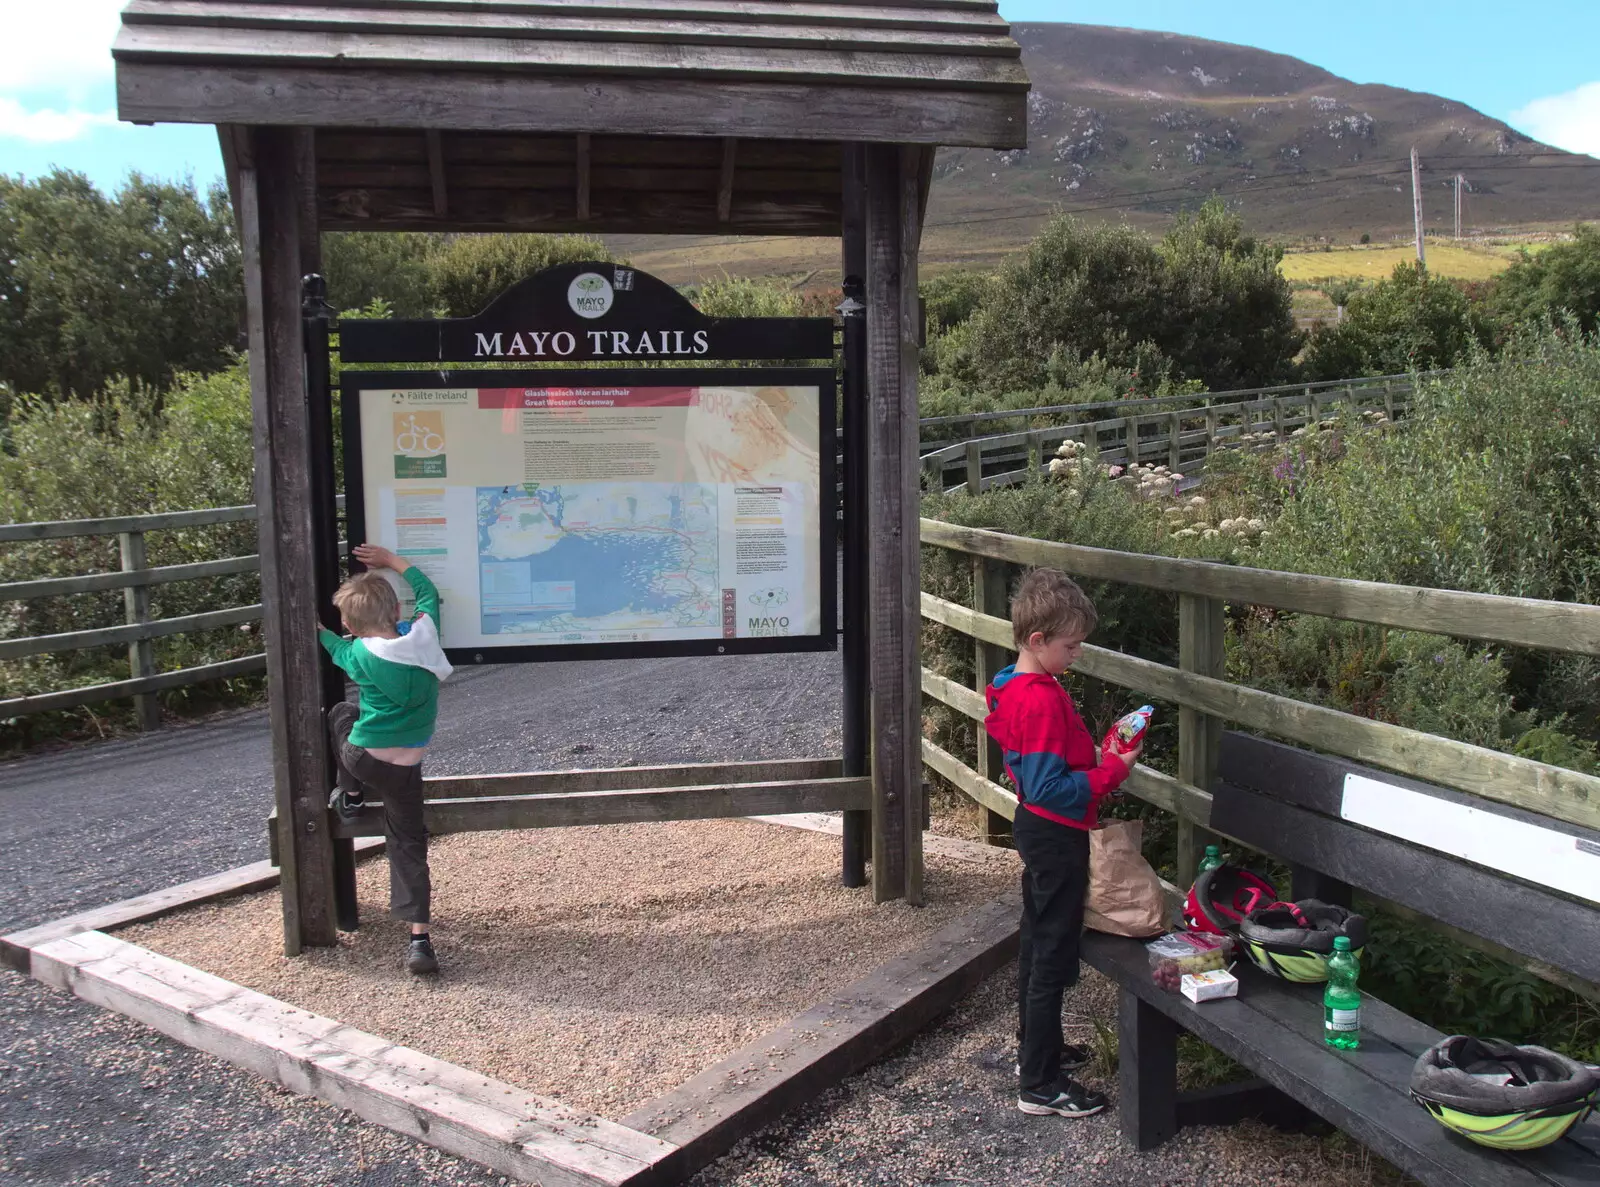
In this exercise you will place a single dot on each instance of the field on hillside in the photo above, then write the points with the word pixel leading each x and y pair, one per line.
pixel 1457 261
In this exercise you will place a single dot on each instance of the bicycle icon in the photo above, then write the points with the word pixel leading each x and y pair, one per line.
pixel 415 438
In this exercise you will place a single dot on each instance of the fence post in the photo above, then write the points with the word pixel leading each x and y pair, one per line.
pixel 1388 400
pixel 1175 431
pixel 136 612
pixel 974 467
pixel 1200 633
pixel 1131 429
pixel 1277 419
pixel 989 597
pixel 1211 430
pixel 933 475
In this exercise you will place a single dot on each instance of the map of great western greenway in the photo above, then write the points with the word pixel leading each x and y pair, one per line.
pixel 587 560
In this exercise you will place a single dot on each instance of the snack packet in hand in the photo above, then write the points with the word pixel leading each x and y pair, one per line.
pixel 1128 732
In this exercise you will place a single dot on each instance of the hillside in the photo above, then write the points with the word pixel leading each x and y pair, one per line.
pixel 1131 124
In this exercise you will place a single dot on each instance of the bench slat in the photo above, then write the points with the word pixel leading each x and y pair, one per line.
pixel 1544 926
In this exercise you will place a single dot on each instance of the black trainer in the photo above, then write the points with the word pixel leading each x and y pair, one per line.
pixel 1067 1099
pixel 342 806
pixel 420 958
pixel 1073 1057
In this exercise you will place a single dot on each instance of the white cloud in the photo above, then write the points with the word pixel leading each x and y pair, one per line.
pixel 1570 121
pixel 44 125
pixel 61 48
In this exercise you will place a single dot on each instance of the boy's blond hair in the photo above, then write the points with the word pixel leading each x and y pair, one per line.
pixel 1050 602
pixel 368 603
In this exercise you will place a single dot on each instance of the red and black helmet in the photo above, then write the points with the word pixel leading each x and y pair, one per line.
pixel 1221 898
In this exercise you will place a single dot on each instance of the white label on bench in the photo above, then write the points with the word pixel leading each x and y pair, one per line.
pixel 1527 851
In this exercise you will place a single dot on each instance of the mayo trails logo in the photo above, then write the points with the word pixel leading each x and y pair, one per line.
pixel 419 444
pixel 767 622
pixel 590 295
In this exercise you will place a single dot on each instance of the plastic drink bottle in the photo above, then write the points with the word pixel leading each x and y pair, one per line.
pixel 1211 860
pixel 1127 733
pixel 1341 1000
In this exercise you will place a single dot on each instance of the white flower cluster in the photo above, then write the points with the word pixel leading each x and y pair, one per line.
pixel 1156 481
pixel 1068 458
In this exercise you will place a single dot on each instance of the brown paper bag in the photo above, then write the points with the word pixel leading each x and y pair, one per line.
pixel 1125 897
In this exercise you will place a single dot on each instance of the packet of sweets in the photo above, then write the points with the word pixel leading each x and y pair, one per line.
pixel 1128 732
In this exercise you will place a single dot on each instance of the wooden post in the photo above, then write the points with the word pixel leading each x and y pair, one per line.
pixel 1388 400
pixel 136 611
pixel 1175 430
pixel 974 467
pixel 1211 430
pixel 1131 429
pixel 1277 419
pixel 269 228
pixel 1201 627
pixel 855 704
pixel 989 596
pixel 1147 1072
pixel 893 226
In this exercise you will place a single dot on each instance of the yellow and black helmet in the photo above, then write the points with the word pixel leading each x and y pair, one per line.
pixel 1294 940
pixel 1500 1095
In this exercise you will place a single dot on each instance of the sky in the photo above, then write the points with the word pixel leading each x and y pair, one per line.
pixel 1528 62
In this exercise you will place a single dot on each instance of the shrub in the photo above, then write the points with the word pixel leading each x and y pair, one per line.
pixel 1414 321
pixel 1562 279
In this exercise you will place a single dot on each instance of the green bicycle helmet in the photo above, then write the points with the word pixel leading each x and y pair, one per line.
pixel 1293 941
pixel 1500 1095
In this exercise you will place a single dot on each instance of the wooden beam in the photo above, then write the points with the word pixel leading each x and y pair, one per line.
pixel 786 1067
pixel 440 787
pixel 585 213
pixel 1202 628
pixel 370 97
pixel 526 1137
pixel 270 238
pixel 730 151
pixel 441 196
pixel 641 806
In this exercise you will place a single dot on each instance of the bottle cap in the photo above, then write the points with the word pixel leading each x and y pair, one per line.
pixel 1213 851
pixel 1341 943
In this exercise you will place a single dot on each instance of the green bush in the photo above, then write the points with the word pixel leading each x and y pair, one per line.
pixel 1561 280
pixel 1414 321
pixel 1205 303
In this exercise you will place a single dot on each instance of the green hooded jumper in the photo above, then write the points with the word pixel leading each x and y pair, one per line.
pixel 398 678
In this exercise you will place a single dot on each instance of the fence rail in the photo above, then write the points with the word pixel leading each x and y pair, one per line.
pixel 1150 432
pixel 1206 699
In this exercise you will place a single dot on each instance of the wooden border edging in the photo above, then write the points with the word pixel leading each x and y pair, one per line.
pixel 491 1122
pixel 16 947
pixel 784 1068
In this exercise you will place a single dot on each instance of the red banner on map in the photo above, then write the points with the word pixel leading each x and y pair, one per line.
pixel 588 397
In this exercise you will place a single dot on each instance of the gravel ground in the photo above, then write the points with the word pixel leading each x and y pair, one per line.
pixel 599 966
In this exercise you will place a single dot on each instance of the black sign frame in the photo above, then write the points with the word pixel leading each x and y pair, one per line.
pixel 353 381
pixel 553 318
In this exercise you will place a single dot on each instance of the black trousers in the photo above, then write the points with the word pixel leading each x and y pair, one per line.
pixel 400 789
pixel 1055 880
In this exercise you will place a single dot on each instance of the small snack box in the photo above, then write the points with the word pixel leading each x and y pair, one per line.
pixel 1181 952
pixel 1202 987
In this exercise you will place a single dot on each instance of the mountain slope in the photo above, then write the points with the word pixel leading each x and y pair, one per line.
pixel 1131 124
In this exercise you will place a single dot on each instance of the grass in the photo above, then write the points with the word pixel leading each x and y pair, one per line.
pixel 1376 263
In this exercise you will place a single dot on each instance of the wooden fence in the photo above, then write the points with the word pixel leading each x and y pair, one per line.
pixel 1207 700
pixel 135 579
pixel 1154 432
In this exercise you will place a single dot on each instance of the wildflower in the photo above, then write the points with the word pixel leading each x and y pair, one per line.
pixel 1185 534
pixel 1255 525
pixel 1176 477
pixel 1174 513
pixel 1197 500
pixel 1209 534
pixel 1057 465
pixel 1113 471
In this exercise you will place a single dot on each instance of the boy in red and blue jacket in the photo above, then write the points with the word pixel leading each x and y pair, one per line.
pixel 1061 779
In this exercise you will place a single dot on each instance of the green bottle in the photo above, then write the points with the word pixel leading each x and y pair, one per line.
pixel 1212 859
pixel 1341 1001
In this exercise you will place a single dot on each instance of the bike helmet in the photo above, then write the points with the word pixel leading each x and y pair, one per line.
pixel 1222 897
pixel 1500 1095
pixel 1294 940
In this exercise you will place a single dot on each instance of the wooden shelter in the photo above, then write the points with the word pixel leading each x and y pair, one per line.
pixel 647 116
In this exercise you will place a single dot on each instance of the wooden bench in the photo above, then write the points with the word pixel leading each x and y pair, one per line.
pixel 1299 808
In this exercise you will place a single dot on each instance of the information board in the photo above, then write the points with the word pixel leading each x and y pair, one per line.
pixel 571 513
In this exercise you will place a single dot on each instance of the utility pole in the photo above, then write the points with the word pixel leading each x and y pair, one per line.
pixel 1416 204
pixel 1460 181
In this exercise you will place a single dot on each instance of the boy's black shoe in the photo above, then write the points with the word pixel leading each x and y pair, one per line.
pixel 1067 1099
pixel 342 806
pixel 420 958
pixel 1073 1057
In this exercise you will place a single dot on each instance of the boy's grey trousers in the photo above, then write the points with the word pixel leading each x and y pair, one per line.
pixel 400 790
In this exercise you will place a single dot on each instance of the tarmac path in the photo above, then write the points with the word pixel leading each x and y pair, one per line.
pixel 89 1098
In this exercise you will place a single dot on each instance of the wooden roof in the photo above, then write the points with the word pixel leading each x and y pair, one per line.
pixel 901 71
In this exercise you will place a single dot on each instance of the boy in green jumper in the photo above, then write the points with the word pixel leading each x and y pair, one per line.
pixel 397 667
